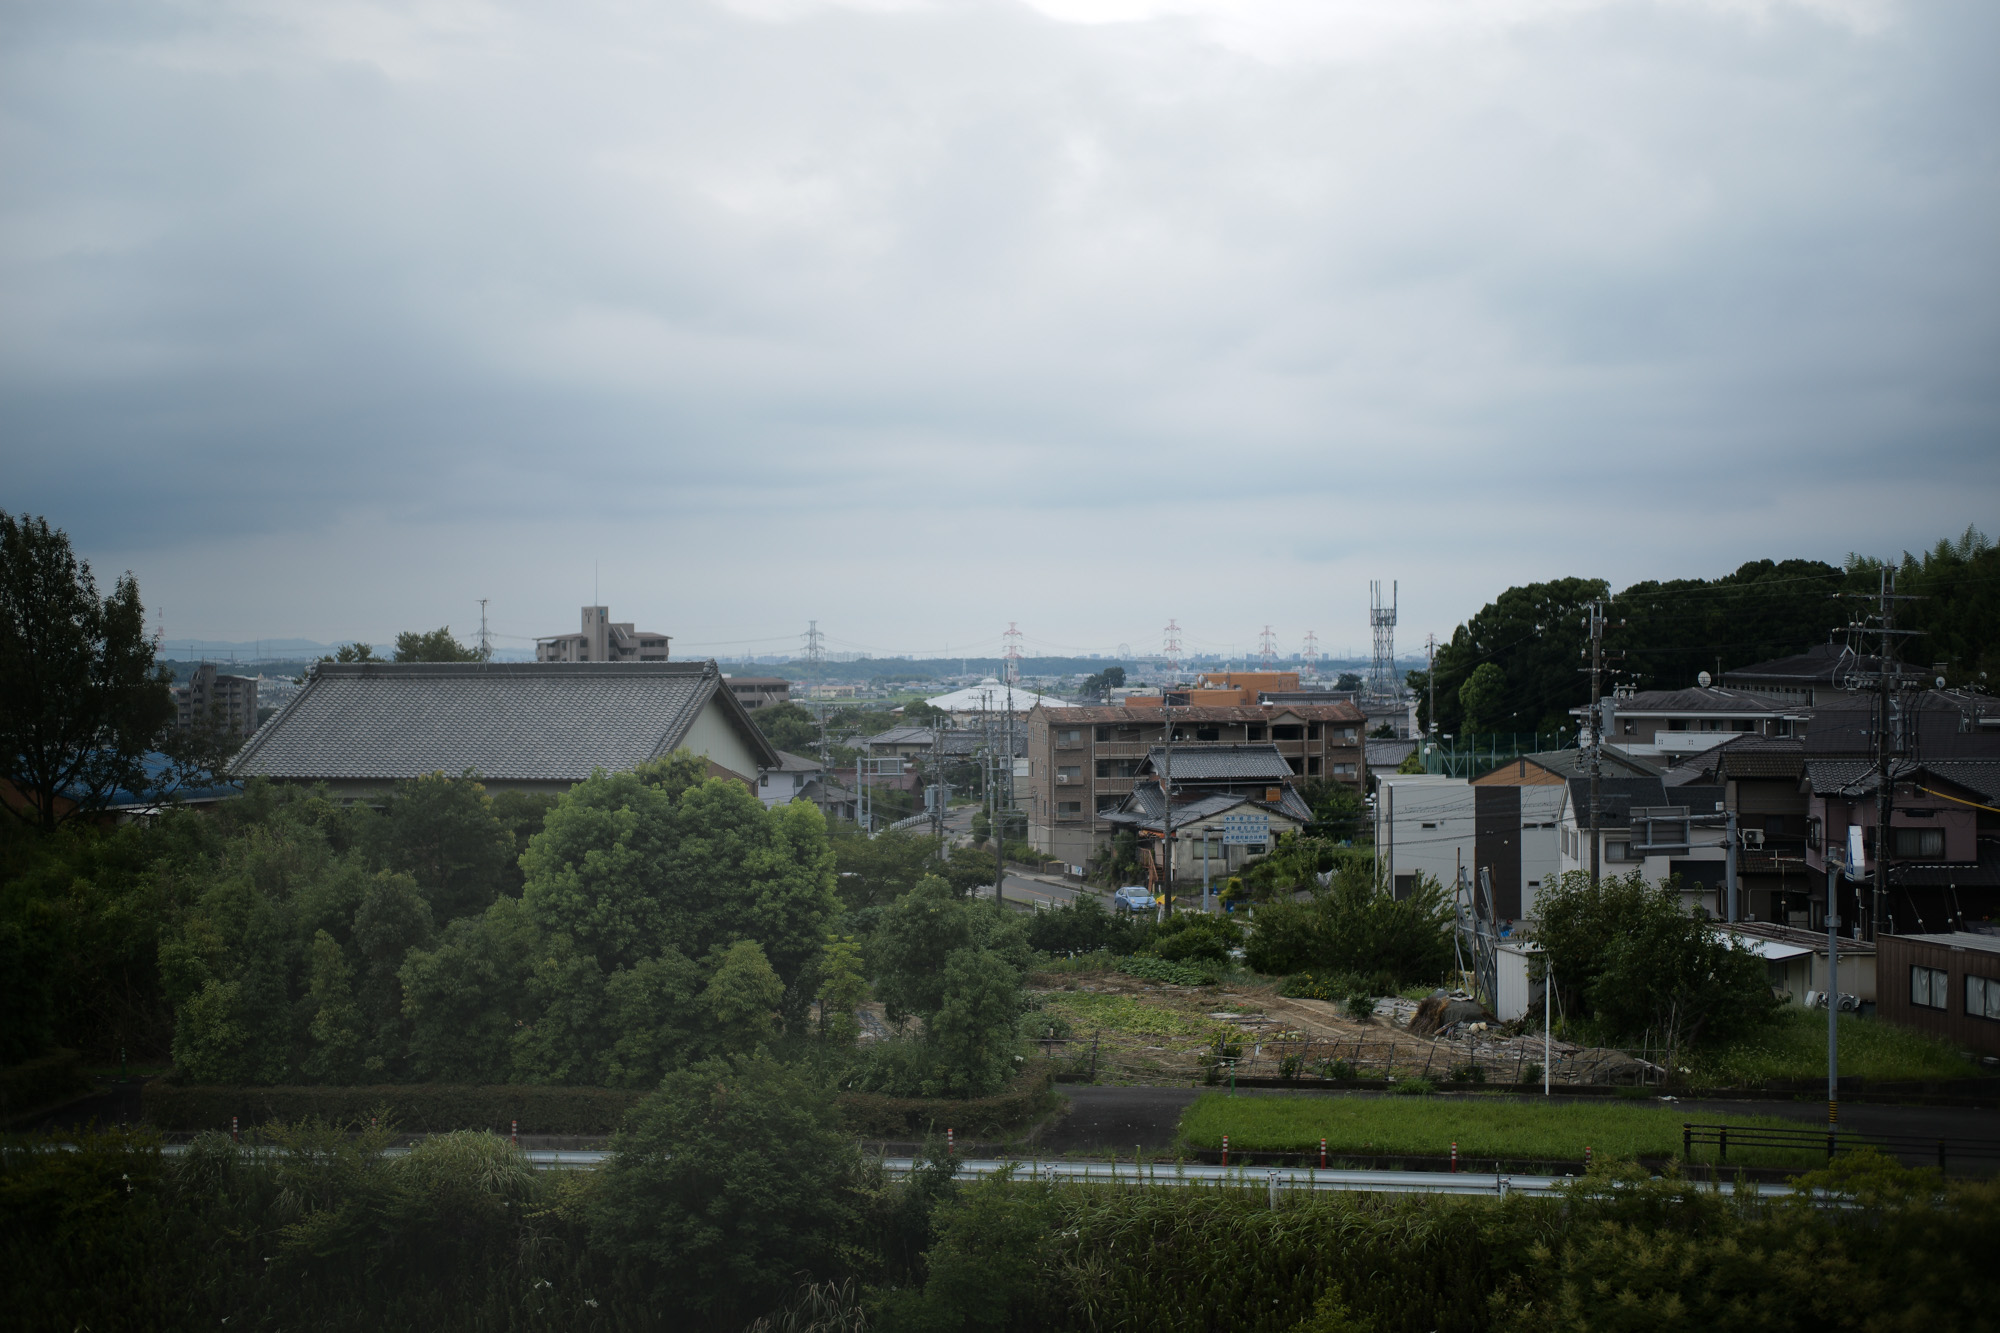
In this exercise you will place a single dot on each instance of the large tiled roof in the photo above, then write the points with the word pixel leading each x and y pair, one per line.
pixel 1247 762
pixel 1710 699
pixel 1856 777
pixel 532 722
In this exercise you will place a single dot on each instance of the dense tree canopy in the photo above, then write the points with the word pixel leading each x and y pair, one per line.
pixel 81 699
pixel 436 645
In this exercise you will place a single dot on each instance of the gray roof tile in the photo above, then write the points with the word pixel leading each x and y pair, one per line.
pixel 536 722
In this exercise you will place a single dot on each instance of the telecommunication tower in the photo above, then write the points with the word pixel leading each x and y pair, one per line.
pixel 1267 651
pixel 1382 619
pixel 1012 638
pixel 1171 650
pixel 485 639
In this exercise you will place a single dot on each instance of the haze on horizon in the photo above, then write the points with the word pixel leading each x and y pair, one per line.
pixel 916 317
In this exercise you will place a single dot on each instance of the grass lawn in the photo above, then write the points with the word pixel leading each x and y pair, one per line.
pixel 1482 1127
pixel 1793 1045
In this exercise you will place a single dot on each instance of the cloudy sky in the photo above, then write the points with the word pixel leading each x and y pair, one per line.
pixel 916 318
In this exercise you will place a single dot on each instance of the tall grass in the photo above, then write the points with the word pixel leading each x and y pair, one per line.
pixel 1793 1046
pixel 1426 1126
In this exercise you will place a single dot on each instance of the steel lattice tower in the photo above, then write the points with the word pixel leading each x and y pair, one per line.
pixel 1382 620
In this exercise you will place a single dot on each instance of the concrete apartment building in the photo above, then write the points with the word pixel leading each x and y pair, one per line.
pixel 209 697
pixel 1082 763
pixel 755 692
pixel 603 639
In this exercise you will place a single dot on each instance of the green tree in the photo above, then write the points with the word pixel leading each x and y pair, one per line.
pixel 466 998
pixel 843 988
pixel 1353 927
pixel 445 834
pixel 1348 681
pixel 353 652
pixel 336 1026
pixel 1482 699
pixel 436 645
pixel 742 998
pixel 915 938
pixel 631 864
pixel 1534 634
pixel 974 1028
pixel 727 1185
pixel 876 871
pixel 1100 685
pixel 788 727
pixel 1626 955
pixel 81 699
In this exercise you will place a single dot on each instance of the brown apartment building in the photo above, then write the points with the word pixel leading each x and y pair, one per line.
pixel 1082 762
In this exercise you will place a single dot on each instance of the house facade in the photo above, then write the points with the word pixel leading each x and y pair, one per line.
pixel 1946 983
pixel 1440 827
pixel 1657 830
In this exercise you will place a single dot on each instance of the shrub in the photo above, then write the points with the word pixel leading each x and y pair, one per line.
pixel 1189 936
pixel 1334 1068
pixel 1360 1007
pixel 1288 1067
pixel 1467 1071
pixel 1531 1074
pixel 1413 1087
pixel 1174 974
pixel 1351 927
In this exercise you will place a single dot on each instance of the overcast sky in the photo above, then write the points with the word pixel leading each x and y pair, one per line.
pixel 329 319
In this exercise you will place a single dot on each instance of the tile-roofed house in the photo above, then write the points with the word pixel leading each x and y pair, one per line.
pixel 1552 768
pixel 541 726
pixel 1680 722
pixel 1218 763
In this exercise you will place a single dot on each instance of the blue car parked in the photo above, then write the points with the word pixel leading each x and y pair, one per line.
pixel 1134 898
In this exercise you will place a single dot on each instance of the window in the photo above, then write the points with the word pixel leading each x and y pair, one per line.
pixel 1982 997
pixel 1117 768
pixel 1741 724
pixel 1208 733
pixel 1069 773
pixel 1254 732
pixel 1347 733
pixel 1288 731
pixel 1928 987
pixel 1618 851
pixel 1312 766
pixel 1106 804
pixel 764 780
pixel 1312 731
pixel 1070 736
pixel 1927 843
pixel 1430 825
pixel 1343 770
pixel 1104 733
pixel 1069 807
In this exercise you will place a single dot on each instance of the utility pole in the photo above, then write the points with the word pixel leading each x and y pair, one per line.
pixel 1886 683
pixel 1167 802
pixel 1596 731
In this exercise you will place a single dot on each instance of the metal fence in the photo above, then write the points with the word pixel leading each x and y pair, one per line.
pixel 1832 1142
pixel 1308 1060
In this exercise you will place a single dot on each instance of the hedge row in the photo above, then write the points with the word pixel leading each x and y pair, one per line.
pixel 419 1108
pixel 42 1082
pixel 1029 1096
pixel 435 1108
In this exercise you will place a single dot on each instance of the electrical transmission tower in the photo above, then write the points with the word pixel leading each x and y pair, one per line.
pixel 1172 648
pixel 1382 619
pixel 1267 651
pixel 1012 638
pixel 1311 653
pixel 815 646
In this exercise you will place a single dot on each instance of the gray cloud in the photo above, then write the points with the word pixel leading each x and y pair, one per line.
pixel 917 320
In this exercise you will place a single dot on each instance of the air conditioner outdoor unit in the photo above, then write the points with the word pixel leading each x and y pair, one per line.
pixel 1062 777
pixel 1753 839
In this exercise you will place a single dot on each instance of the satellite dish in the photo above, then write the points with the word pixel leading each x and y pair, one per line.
pixel 1702 680
pixel 1940 682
